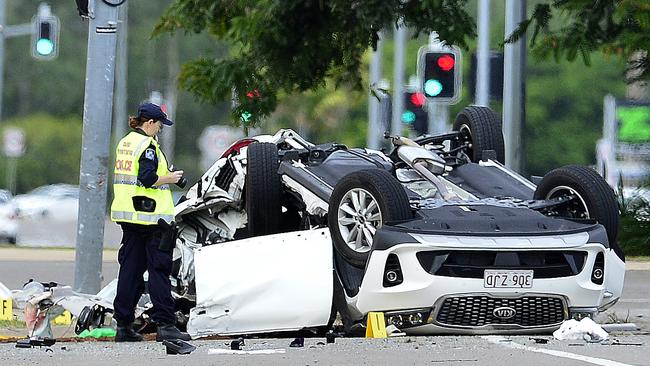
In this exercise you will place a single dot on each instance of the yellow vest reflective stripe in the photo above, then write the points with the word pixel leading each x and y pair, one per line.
pixel 126 184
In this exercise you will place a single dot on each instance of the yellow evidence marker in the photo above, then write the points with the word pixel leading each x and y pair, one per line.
pixel 63 319
pixel 376 327
pixel 6 311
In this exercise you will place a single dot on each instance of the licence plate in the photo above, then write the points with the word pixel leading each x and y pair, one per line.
pixel 507 279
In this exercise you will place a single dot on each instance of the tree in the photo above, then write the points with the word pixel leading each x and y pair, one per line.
pixel 53 151
pixel 295 46
pixel 614 27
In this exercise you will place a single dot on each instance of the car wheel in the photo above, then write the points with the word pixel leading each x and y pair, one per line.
pixel 594 198
pixel 360 204
pixel 263 189
pixel 480 129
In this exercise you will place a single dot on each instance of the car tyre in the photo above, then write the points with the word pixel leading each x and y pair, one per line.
pixel 481 129
pixel 263 189
pixel 595 199
pixel 361 203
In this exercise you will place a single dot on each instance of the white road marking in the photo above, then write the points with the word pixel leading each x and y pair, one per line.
pixel 596 361
pixel 639 301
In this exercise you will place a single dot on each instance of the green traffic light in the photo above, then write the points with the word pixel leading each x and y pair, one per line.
pixel 44 47
pixel 408 117
pixel 245 116
pixel 432 87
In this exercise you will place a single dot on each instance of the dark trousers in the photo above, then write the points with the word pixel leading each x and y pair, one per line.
pixel 139 253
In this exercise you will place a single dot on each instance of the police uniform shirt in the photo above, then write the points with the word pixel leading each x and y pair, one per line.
pixel 148 165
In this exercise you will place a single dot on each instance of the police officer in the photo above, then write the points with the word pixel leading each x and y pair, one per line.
pixel 142 197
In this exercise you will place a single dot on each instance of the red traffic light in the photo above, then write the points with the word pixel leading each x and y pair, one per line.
pixel 417 99
pixel 446 62
pixel 253 94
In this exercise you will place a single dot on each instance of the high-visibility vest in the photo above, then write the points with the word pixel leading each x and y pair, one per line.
pixel 126 184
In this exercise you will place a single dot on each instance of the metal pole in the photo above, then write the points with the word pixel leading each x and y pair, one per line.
pixel 98 99
pixel 398 74
pixel 3 25
pixel 11 174
pixel 483 54
pixel 171 92
pixel 120 119
pixel 438 117
pixel 514 63
pixel 374 125
pixel 609 139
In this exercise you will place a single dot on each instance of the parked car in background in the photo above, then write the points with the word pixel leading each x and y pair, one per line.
pixel 58 201
pixel 8 218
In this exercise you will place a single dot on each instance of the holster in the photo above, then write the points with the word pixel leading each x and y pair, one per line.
pixel 168 235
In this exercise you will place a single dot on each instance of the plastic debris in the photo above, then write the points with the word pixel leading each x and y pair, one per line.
pixel 237 344
pixel 393 331
pixel 330 337
pixel 585 329
pixel 98 333
pixel 178 347
pixel 539 340
pixel 35 342
pixel 298 342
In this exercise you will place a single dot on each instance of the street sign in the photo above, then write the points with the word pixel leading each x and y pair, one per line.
pixel 13 142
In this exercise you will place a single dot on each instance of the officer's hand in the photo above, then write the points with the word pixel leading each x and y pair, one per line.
pixel 175 176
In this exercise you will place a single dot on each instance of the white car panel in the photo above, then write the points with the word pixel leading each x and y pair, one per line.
pixel 264 284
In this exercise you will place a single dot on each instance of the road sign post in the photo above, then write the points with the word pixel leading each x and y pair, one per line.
pixel 13 148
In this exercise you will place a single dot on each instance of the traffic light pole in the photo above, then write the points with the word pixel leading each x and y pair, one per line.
pixel 398 84
pixel 514 64
pixel 374 124
pixel 3 7
pixel 483 54
pixel 121 115
pixel 94 175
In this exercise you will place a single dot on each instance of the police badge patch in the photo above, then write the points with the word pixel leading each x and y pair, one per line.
pixel 149 154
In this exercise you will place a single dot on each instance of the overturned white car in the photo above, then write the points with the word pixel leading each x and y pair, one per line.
pixel 281 235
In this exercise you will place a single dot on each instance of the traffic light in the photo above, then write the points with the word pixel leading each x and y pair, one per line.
pixel 245 107
pixel 440 74
pixel 415 114
pixel 45 37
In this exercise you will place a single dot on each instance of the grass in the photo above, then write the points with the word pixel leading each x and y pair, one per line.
pixel 28 247
pixel 12 324
pixel 640 258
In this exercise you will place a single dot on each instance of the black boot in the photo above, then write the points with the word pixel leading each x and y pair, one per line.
pixel 127 334
pixel 168 331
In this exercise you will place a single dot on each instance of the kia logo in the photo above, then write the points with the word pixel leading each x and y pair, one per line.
pixel 504 312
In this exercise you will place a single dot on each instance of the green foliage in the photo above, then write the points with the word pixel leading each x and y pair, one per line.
pixel 326 115
pixel 564 111
pixel 634 224
pixel 53 151
pixel 14 323
pixel 612 26
pixel 287 47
